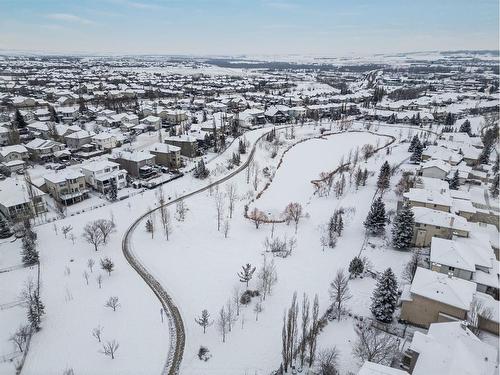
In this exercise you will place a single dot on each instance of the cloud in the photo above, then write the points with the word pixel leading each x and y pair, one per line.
pixel 67 17
pixel 139 4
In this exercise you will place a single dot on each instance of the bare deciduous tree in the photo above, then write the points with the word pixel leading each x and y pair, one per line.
pixel 66 229
pixel 90 264
pixel 93 235
pixel 232 195
pixel 180 210
pixel 236 299
pixel 327 361
pixel 86 277
pixel 20 337
pixel 373 345
pixel 166 221
pixel 219 207
pixel 293 212
pixel 257 310
pixel 222 323
pixel 226 226
pixel 246 273
pixel 97 332
pixel 107 265
pixel 109 348
pixel 305 318
pixel 314 331
pixel 339 291
pixel 99 281
pixel 106 227
pixel 113 303
pixel 477 312
pixel 268 277
pixel 257 216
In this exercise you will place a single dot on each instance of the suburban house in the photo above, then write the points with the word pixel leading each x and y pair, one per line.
pixel 432 223
pixel 277 114
pixel 187 144
pixel 435 169
pixel 18 201
pixel 173 117
pixel 76 140
pixel 13 157
pixel 437 200
pixel 138 164
pixel 434 297
pixel 432 152
pixel 104 141
pixel 66 186
pixel 251 118
pixel 469 260
pixel 43 148
pixel 151 122
pixel 449 348
pixel 166 155
pixel 101 174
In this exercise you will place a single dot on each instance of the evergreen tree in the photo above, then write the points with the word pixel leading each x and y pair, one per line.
pixel 113 190
pixel 4 228
pixel 414 141
pixel 496 166
pixel 450 119
pixel 416 157
pixel 385 297
pixel 29 253
pixel 356 267
pixel 384 176
pixel 35 309
pixel 242 147
pixel 466 128
pixel 455 181
pixel 201 170
pixel 19 122
pixel 494 186
pixel 402 230
pixel 375 221
pixel 53 114
pixel 365 177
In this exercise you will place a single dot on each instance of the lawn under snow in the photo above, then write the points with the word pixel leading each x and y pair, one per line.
pixel 198 266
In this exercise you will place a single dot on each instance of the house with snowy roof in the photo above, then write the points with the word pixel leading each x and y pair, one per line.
pixel 66 186
pixel 372 368
pixel 435 297
pixel 18 200
pixel 435 169
pixel 433 223
pixel 450 348
pixel 437 200
pixel 138 163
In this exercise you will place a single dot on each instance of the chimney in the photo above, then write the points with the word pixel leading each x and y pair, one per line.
pixel 452 221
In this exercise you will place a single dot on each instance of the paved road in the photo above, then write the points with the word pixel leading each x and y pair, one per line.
pixel 176 325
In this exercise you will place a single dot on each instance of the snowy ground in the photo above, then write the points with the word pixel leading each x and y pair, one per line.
pixel 198 267
pixel 213 261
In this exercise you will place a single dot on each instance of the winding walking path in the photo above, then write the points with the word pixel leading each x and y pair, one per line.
pixel 176 325
pixel 175 322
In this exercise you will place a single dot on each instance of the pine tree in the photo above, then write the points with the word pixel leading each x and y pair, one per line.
pixel 242 148
pixel 29 252
pixel 19 122
pixel 385 297
pixel 53 114
pixel 246 273
pixel 375 221
pixel 416 157
pixel 414 141
pixel 356 267
pixel 365 177
pixel 340 224
pixel 113 190
pixel 494 186
pixel 455 181
pixel 201 170
pixel 496 166
pixel 402 230
pixel 4 228
pixel 35 309
pixel 466 128
pixel 384 176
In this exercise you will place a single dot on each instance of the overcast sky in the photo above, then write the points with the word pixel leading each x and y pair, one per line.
pixel 320 27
